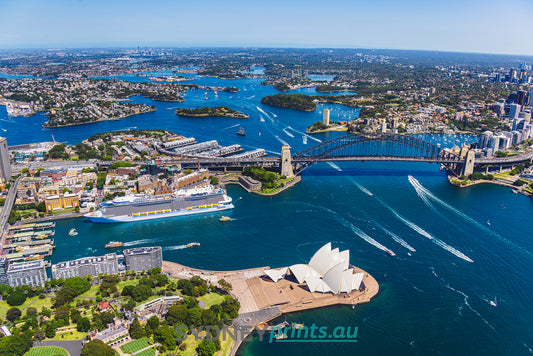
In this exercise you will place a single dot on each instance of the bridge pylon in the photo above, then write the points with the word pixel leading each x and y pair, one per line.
pixel 468 166
pixel 286 165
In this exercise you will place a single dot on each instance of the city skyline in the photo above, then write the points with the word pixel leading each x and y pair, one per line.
pixel 468 26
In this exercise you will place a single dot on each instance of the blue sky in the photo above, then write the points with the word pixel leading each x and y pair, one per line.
pixel 448 25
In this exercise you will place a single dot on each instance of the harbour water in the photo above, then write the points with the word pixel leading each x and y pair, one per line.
pixel 435 301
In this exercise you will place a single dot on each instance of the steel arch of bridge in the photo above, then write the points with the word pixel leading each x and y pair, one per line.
pixel 366 145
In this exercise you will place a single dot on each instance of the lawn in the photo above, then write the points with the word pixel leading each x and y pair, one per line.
pixel 39 303
pixel 46 351
pixel 76 335
pixel 149 352
pixel 211 299
pixel 135 345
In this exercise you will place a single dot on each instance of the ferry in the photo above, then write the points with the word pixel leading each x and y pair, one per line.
pixel 193 244
pixel 225 218
pixel 113 244
pixel 72 232
pixel 241 132
pixel 138 207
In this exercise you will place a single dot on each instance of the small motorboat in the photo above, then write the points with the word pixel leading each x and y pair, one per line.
pixel 72 232
pixel 193 244
pixel 225 218
pixel 113 244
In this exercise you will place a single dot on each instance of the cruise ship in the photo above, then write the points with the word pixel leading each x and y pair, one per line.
pixel 137 207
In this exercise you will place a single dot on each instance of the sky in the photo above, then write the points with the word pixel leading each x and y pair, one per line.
pixel 485 26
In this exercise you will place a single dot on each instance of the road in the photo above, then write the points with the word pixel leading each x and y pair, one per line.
pixel 6 209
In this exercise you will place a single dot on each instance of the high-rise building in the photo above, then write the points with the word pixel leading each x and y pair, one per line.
pixel 325 117
pixel 3 270
pixel 31 273
pixel 485 139
pixel 5 164
pixel 86 266
pixel 514 110
pixel 521 97
pixel 383 126
pixel 143 258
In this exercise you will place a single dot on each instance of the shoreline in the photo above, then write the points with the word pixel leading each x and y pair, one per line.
pixel 99 120
pixel 484 181
pixel 262 300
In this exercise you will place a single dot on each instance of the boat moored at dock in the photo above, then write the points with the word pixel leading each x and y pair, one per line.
pixel 138 207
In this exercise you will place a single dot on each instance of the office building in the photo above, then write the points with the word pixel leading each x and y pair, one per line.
pixel 325 117
pixel 3 270
pixel 143 258
pixel 86 266
pixel 384 126
pixel 5 164
pixel 514 110
pixel 31 273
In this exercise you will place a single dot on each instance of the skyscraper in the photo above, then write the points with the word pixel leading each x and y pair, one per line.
pixel 5 165
pixel 325 117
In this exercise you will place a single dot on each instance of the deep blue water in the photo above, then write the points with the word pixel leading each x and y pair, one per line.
pixel 433 302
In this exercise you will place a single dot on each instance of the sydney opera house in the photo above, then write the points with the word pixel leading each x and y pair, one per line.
pixel 328 271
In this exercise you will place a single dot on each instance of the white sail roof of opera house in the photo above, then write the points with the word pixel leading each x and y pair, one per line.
pixel 327 271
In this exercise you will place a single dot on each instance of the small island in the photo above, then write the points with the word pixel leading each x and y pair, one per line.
pixel 216 111
pixel 292 101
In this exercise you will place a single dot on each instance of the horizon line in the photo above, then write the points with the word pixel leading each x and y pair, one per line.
pixel 105 45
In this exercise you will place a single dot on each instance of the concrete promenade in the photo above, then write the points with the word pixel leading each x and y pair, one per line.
pixel 263 300
pixel 255 293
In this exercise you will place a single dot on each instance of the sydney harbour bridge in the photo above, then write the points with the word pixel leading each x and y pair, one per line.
pixel 363 147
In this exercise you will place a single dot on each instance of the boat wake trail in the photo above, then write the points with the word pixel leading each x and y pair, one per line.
pixel 140 242
pixel 288 133
pixel 419 187
pixel 264 113
pixel 271 113
pixel 282 141
pixel 361 188
pixel 229 127
pixel 172 248
pixel 465 296
pixel 354 228
pixel 334 166
pixel 426 234
pixel 396 238
pixel 262 119
pixel 303 133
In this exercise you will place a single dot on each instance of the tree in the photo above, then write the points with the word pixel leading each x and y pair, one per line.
pixel 75 315
pixel 13 314
pixel 166 336
pixel 177 313
pixel 80 285
pixel 31 311
pixel 62 312
pixel 97 348
pixel 225 286
pixel 136 330
pixel 64 295
pixel 153 322
pixel 39 334
pixel 50 330
pixel 16 298
pixel 83 324
pixel 195 316
pixel 208 317
pixel 207 348
pixel 141 292
pixel 17 344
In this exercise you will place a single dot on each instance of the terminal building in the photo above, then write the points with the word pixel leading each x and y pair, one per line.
pixel 87 266
pixel 31 273
pixel 143 258
pixel 3 270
